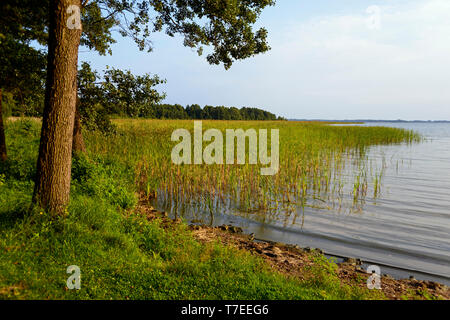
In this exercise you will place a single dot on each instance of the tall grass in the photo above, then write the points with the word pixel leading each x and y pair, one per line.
pixel 316 162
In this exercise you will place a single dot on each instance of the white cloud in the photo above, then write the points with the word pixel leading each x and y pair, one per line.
pixel 333 66
pixel 398 69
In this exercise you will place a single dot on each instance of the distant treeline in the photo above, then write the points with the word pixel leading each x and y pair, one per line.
pixel 195 112
pixel 119 93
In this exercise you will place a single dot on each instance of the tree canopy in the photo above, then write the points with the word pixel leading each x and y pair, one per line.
pixel 117 92
pixel 224 25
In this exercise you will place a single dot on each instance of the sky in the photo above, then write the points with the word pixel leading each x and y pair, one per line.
pixel 346 59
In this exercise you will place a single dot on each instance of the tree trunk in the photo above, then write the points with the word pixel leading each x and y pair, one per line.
pixel 78 141
pixel 52 187
pixel 3 155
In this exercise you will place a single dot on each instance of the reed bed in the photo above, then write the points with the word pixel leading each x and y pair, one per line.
pixel 321 167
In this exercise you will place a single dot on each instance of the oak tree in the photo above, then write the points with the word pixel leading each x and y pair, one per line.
pixel 52 185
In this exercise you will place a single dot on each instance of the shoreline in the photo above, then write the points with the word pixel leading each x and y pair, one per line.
pixel 291 260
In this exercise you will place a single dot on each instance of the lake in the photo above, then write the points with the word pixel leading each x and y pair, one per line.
pixel 405 229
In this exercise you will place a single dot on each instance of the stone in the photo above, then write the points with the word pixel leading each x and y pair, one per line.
pixel 270 254
pixel 351 261
pixel 276 250
pixel 235 229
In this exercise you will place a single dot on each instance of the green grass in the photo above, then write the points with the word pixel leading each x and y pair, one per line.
pixel 121 254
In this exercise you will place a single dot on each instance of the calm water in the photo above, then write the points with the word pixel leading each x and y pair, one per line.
pixel 406 227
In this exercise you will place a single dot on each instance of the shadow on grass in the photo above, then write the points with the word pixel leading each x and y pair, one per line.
pixel 8 219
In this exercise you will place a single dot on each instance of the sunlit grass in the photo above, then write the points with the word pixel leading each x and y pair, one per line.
pixel 316 161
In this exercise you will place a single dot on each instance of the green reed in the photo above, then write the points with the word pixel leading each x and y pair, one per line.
pixel 316 162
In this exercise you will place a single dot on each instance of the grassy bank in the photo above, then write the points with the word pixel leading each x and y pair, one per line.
pixel 123 255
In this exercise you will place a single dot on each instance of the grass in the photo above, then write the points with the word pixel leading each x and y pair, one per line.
pixel 122 255
pixel 316 161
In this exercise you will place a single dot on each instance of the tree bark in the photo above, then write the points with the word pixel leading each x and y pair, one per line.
pixel 3 155
pixel 52 187
pixel 78 145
